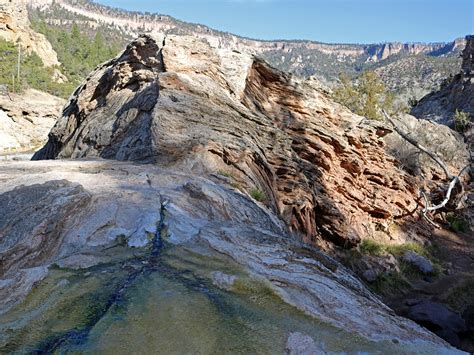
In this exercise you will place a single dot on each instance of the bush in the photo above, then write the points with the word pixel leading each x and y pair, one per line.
pixel 462 120
pixel 371 247
pixel 457 222
pixel 258 194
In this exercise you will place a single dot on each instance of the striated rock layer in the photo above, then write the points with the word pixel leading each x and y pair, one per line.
pixel 178 102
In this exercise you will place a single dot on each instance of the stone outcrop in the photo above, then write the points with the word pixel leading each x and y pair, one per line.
pixel 457 93
pixel 15 27
pixel 179 102
pixel 26 119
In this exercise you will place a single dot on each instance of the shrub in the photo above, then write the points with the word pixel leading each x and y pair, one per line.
pixel 462 121
pixel 457 222
pixel 371 247
pixel 367 96
pixel 258 194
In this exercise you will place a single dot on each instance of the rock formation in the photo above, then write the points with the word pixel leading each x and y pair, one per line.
pixel 184 104
pixel 201 179
pixel 26 119
pixel 15 27
pixel 456 94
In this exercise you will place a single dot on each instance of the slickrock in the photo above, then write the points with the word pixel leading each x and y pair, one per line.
pixel 71 217
pixel 179 102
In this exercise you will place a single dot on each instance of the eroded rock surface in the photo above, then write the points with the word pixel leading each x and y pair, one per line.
pixel 178 102
pixel 456 94
pixel 26 119
pixel 62 217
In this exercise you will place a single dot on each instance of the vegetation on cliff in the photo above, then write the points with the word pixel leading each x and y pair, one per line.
pixel 32 72
pixel 367 96
pixel 79 52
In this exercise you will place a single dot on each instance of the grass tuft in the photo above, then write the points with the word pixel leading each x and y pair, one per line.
pixel 258 194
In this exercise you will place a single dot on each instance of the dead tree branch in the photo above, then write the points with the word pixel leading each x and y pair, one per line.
pixel 454 179
pixel 413 142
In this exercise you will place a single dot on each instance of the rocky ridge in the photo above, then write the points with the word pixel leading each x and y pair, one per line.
pixel 457 93
pixel 304 58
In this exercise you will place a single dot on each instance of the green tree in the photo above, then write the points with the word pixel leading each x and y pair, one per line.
pixel 366 96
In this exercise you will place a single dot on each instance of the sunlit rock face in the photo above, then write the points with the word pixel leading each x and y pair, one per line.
pixel 179 102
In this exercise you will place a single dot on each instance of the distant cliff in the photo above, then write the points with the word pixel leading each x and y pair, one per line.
pixel 456 94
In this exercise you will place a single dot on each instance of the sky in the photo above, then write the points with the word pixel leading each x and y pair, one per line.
pixel 332 21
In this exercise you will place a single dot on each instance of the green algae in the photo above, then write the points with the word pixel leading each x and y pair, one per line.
pixel 173 307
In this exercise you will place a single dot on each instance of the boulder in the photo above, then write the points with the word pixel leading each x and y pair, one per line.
pixel 176 101
pixel 420 262
pixel 439 319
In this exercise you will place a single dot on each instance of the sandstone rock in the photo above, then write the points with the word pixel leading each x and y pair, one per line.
pixel 178 102
pixel 456 94
pixel 222 280
pixel 301 344
pixel 26 120
pixel 448 144
pixel 419 261
pixel 438 319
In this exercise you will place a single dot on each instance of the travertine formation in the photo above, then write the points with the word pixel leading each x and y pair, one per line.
pixel 179 102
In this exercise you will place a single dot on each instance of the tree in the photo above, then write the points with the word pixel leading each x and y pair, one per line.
pixel 367 96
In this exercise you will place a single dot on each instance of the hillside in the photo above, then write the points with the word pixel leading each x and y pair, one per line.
pixel 421 66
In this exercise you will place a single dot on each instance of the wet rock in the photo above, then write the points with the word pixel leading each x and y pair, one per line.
pixel 222 280
pixel 301 344
pixel 78 222
pixel 420 262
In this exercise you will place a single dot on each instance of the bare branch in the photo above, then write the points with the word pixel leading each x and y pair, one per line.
pixel 425 211
pixel 452 184
pixel 412 141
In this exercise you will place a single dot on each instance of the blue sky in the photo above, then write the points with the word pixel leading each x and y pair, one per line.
pixel 341 21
